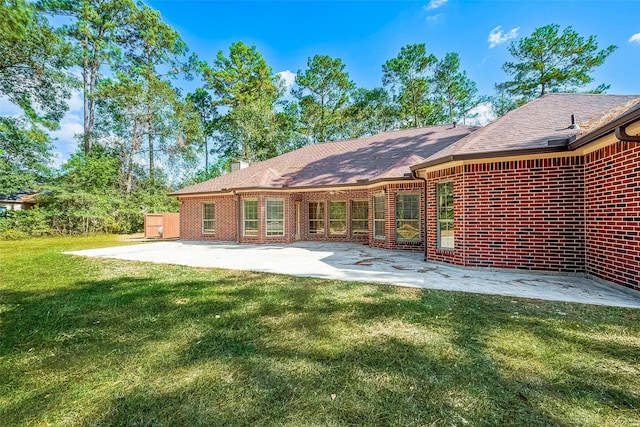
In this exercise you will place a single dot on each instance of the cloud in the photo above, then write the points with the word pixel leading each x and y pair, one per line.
pixel 65 137
pixel 635 38
pixel 434 4
pixel 289 79
pixel 435 17
pixel 481 115
pixel 497 37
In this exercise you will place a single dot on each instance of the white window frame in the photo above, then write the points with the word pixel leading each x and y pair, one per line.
pixel 441 221
pixel 322 221
pixel 379 222
pixel 269 220
pixel 401 221
pixel 245 220
pixel 356 219
pixel 343 220
pixel 212 220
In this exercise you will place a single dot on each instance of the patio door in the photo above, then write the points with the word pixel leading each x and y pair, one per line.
pixel 298 219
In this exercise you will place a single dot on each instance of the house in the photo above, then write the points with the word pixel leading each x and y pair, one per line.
pixel 550 186
pixel 16 202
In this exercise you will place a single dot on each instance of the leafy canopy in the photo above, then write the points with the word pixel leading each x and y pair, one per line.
pixel 550 61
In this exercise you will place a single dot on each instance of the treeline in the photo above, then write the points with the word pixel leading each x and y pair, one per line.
pixel 141 132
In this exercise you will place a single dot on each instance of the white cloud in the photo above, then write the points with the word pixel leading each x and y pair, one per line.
pixel 76 103
pixel 434 4
pixel 481 115
pixel 497 37
pixel 65 137
pixel 435 17
pixel 635 38
pixel 289 79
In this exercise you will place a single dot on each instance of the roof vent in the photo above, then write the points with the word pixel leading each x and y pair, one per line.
pixel 455 124
pixel 573 125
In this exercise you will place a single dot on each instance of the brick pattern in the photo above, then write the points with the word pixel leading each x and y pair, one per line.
pixel 612 207
pixel 191 218
pixel 521 214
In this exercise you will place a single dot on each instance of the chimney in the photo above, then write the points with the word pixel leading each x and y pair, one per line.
pixel 236 166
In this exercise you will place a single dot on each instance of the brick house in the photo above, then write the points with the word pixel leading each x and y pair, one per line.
pixel 550 186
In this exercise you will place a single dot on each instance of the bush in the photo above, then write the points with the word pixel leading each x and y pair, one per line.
pixel 13 234
pixel 31 222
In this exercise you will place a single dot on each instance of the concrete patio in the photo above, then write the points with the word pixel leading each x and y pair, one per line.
pixel 354 262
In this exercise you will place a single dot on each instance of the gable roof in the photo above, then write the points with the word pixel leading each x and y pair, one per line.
pixel 542 125
pixel 388 155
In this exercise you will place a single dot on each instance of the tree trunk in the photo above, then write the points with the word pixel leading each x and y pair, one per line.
pixel 85 89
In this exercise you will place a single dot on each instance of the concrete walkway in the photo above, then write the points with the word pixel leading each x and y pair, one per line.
pixel 361 263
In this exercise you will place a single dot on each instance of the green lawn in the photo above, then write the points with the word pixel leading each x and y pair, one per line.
pixel 106 342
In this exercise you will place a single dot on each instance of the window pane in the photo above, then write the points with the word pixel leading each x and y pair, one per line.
pixel 208 218
pixel 338 218
pixel 408 216
pixel 445 216
pixel 316 217
pixel 275 217
pixel 378 217
pixel 250 217
pixel 359 217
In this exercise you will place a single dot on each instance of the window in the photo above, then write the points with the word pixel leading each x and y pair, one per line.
pixel 3 211
pixel 338 218
pixel 208 218
pixel 359 217
pixel 250 217
pixel 316 217
pixel 378 217
pixel 275 217
pixel 408 216
pixel 445 215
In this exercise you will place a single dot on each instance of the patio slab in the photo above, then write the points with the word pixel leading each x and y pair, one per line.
pixel 353 262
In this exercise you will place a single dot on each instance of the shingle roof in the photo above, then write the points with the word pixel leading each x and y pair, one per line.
pixel 387 155
pixel 534 125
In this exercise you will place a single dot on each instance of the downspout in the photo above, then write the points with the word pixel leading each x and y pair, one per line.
pixel 425 223
pixel 238 229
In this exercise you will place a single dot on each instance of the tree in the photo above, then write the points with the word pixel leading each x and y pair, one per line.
pixel 203 104
pixel 371 111
pixel 33 60
pixel 548 61
pixel 408 77
pixel 242 78
pixel 323 92
pixel 97 29
pixel 155 52
pixel 454 90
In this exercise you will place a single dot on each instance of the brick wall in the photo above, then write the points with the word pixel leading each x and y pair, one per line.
pixel 612 206
pixel 191 218
pixel 520 214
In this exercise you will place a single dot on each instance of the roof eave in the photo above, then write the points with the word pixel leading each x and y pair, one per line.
pixel 606 129
pixel 488 155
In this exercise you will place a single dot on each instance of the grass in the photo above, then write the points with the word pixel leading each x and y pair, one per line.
pixel 106 342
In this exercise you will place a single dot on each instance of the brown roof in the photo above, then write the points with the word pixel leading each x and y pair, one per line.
pixel 542 124
pixel 388 155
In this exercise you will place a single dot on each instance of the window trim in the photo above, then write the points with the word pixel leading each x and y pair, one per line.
pixel 377 220
pixel 439 186
pixel 324 218
pixel 244 218
pixel 397 220
pixel 345 219
pixel 266 216
pixel 352 219
pixel 204 229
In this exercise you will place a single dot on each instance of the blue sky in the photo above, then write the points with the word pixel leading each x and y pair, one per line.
pixel 364 34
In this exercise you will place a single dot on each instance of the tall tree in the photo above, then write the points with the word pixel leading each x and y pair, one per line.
pixel 243 82
pixel 97 30
pixel 370 111
pixel 454 90
pixel 33 60
pixel 550 61
pixel 155 52
pixel 323 92
pixel 203 104
pixel 408 77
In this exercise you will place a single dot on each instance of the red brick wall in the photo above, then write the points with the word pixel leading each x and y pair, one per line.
pixel 191 218
pixel 612 206
pixel 521 214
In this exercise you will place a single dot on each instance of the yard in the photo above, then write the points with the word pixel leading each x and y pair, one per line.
pixel 107 342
